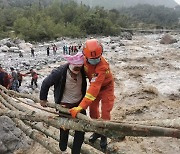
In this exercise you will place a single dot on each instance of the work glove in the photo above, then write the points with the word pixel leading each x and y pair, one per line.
pixel 75 110
pixel 43 103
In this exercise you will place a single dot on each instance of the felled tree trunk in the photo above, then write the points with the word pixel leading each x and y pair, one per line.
pixel 15 107
pixel 11 103
pixel 116 131
pixel 22 95
pixel 29 132
pixel 36 100
pixel 84 149
pixel 109 129
pixel 37 137
pixel 169 123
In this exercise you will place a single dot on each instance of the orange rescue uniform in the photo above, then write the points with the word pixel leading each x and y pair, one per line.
pixel 101 89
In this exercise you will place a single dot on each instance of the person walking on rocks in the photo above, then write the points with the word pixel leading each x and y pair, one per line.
pixel 69 83
pixel 1 76
pixel 101 87
pixel 48 50
pixel 54 49
pixel 14 80
pixel 20 77
pixel 7 81
pixel 32 52
pixel 4 78
pixel 34 78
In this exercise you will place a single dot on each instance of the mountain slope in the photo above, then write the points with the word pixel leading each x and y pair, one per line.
pixel 108 4
pixel 127 3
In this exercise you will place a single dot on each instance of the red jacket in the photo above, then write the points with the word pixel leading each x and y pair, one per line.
pixel 99 77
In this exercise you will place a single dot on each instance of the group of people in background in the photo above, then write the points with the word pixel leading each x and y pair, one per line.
pixel 71 50
pixel 14 79
pixel 54 48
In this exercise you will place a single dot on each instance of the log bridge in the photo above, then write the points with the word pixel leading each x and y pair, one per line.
pixel 27 118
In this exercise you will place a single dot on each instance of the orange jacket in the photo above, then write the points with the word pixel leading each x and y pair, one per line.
pixel 99 77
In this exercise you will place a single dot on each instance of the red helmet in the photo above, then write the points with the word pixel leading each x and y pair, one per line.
pixel 92 49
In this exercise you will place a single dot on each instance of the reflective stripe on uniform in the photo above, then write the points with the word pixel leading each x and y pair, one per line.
pixel 107 71
pixel 89 96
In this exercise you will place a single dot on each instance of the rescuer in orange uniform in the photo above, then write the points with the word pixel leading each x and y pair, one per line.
pixel 101 87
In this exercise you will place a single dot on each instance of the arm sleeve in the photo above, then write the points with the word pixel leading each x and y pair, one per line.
pixel 48 82
pixel 94 88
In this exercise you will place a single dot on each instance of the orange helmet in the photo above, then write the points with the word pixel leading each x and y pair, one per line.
pixel 92 49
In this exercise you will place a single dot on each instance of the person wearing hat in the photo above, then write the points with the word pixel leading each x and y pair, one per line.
pixel 101 87
pixel 69 83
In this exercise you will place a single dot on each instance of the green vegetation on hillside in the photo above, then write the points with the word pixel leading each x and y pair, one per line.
pixel 44 22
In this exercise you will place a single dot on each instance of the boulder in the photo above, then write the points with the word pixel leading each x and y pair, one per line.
pixel 4 41
pixel 14 49
pixel 4 48
pixel 11 137
pixel 126 35
pixel 18 41
pixel 25 46
pixel 167 39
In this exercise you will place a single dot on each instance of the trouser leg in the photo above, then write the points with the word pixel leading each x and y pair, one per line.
pixel 94 108
pixel 107 102
pixel 20 82
pixel 35 82
pixel 32 80
pixel 78 141
pixel 64 134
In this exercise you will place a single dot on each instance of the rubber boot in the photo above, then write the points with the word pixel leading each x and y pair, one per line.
pixel 94 137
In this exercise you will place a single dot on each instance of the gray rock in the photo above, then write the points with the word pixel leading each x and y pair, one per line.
pixel 14 49
pixel 11 137
pixel 126 35
pixel 4 48
pixel 3 148
pixel 167 39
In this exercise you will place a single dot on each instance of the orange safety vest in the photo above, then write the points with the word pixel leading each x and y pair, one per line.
pixel 99 77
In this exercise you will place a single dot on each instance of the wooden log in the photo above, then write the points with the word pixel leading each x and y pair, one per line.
pixel 84 149
pixel 13 103
pixel 36 100
pixel 47 133
pixel 115 132
pixel 96 144
pixel 22 95
pixel 169 123
pixel 126 129
pixel 37 137
pixel 29 132
pixel 165 123
pixel 55 136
